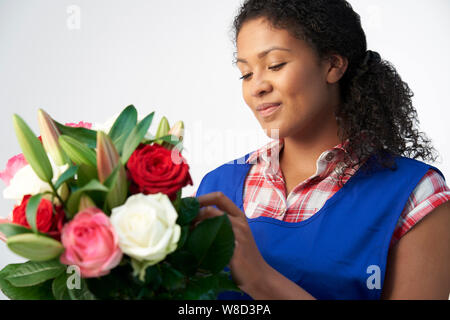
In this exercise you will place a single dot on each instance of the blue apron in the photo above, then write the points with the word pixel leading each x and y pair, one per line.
pixel 341 251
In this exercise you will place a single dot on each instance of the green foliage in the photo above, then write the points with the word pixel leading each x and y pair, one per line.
pixel 74 199
pixel 32 273
pixel 59 287
pixel 117 184
pixel 83 135
pixel 212 243
pixel 41 291
pixel 207 287
pixel 31 210
pixel 195 270
pixel 12 229
pixel 123 126
pixel 35 247
pixel 135 137
pixel 188 209
pixel 78 152
pixel 65 289
pixel 68 174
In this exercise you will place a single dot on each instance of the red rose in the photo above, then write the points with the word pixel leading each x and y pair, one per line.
pixel 47 221
pixel 153 169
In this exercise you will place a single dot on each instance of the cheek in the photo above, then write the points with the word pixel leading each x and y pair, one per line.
pixel 304 90
pixel 299 83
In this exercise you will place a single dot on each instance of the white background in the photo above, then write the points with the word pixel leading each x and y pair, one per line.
pixel 175 57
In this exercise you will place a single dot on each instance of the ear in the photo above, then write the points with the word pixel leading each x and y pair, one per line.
pixel 336 67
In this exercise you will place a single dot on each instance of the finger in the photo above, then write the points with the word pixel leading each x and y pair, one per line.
pixel 221 201
pixel 206 213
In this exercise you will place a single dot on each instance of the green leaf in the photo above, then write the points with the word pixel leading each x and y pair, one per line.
pixel 68 174
pixel 83 135
pixel 32 273
pixel 135 137
pixel 59 287
pixel 183 236
pixel 199 288
pixel 116 285
pixel 74 199
pixel 123 126
pixel 39 292
pixel 208 287
pixel 153 277
pixel 35 247
pixel 61 291
pixel 212 243
pixel 83 293
pixel 172 279
pixel 171 139
pixel 168 141
pixel 188 210
pixel 12 229
pixel 225 282
pixel 78 152
pixel 31 211
pixel 183 261
pixel 85 175
pixel 33 150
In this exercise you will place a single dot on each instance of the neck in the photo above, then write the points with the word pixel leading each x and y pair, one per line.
pixel 300 152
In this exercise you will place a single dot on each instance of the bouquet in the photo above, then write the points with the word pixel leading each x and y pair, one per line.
pixel 99 215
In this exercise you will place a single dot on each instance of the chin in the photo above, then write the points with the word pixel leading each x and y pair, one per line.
pixel 273 131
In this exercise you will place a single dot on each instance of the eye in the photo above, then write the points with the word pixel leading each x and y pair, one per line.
pixel 274 68
pixel 245 76
pixel 277 67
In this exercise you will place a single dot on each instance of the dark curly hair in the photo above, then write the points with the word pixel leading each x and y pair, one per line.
pixel 375 102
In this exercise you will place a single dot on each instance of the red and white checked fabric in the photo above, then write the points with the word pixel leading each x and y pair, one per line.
pixel 265 190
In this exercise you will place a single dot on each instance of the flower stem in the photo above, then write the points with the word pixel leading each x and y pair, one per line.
pixel 57 195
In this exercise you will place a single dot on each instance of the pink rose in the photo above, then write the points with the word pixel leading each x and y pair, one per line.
pixel 14 164
pixel 80 124
pixel 91 243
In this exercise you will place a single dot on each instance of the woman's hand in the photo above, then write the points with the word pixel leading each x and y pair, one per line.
pixel 247 264
pixel 251 273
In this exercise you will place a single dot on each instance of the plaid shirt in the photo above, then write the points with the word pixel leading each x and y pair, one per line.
pixel 265 191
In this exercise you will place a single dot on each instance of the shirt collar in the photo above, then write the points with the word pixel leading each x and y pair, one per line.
pixel 268 155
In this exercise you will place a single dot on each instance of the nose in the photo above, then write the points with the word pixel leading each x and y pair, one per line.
pixel 261 87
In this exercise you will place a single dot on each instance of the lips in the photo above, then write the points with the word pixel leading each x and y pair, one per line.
pixel 267 110
pixel 265 106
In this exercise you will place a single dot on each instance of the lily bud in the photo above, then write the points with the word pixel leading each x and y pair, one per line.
pixel 178 131
pixel 163 130
pixel 108 160
pixel 85 203
pixel 50 135
pixel 107 156
pixel 33 150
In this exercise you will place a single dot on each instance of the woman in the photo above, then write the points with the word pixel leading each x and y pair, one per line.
pixel 335 207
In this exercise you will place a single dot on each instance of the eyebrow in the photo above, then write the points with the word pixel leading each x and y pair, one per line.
pixel 263 54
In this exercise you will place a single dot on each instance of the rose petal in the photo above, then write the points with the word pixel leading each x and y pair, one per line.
pixel 14 164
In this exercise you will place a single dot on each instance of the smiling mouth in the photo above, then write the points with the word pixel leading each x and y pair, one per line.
pixel 269 110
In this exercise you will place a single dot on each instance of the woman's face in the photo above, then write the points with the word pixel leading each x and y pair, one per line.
pixel 290 74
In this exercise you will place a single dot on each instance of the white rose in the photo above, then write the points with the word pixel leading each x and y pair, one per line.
pixel 146 226
pixel 26 181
